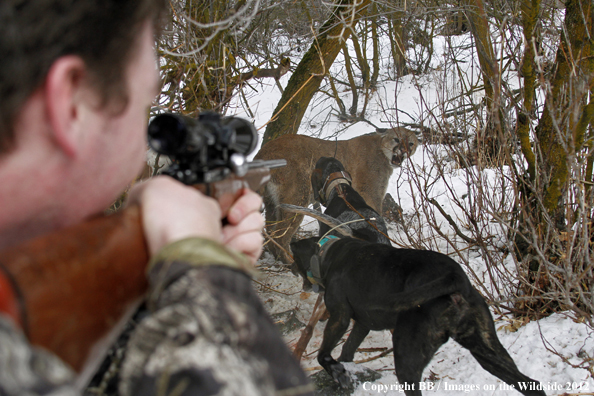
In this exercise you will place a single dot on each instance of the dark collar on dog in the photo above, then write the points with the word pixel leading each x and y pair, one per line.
pixel 333 179
pixel 315 273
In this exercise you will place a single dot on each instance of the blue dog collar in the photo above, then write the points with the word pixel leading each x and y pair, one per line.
pixel 314 274
pixel 326 239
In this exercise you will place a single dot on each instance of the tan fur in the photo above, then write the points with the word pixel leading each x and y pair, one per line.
pixel 370 159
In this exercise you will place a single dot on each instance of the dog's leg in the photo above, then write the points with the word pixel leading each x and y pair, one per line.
pixel 355 339
pixel 480 338
pixel 335 328
pixel 415 342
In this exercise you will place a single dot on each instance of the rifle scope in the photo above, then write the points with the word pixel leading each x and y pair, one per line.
pixel 181 136
pixel 203 149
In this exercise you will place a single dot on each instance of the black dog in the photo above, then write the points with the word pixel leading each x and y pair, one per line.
pixel 424 296
pixel 331 185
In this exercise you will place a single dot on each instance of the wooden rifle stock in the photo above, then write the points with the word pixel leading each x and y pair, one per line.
pixel 78 282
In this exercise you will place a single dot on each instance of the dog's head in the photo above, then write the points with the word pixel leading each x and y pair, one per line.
pixel 398 144
pixel 325 169
pixel 303 250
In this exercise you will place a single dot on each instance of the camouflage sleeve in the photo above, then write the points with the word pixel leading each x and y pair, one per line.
pixel 208 333
pixel 28 371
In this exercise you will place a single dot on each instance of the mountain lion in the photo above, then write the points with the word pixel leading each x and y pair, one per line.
pixel 370 159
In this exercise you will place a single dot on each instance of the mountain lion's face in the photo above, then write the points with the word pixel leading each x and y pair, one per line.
pixel 398 144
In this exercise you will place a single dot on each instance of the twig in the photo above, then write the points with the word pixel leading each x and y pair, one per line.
pixel 274 290
pixel 289 255
pixel 381 355
pixel 451 221
pixel 318 311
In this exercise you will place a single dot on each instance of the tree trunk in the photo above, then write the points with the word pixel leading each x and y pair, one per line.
pixel 361 57
pixel 529 19
pixel 549 209
pixel 376 50
pixel 397 42
pixel 348 65
pixel 312 69
pixel 564 104
pixel 490 138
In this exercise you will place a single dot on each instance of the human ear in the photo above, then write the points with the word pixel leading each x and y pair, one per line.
pixel 65 82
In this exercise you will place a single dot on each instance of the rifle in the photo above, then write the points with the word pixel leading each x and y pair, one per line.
pixel 75 284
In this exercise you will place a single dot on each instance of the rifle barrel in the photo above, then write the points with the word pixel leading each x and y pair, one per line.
pixel 270 164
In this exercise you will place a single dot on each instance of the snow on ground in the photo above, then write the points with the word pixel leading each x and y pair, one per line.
pixel 553 350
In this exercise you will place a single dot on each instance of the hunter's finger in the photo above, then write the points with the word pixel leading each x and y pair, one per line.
pixel 248 203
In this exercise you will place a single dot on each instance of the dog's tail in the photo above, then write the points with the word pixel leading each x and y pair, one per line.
pixel 442 286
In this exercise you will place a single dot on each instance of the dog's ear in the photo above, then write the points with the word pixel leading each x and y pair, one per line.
pixel 320 164
pixel 316 183
pixel 302 251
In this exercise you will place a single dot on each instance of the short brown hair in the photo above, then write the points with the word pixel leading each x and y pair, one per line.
pixel 34 33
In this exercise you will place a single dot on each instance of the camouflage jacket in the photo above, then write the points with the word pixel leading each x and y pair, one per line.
pixel 204 332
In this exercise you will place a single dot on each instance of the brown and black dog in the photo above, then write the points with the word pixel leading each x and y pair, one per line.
pixel 424 296
pixel 331 185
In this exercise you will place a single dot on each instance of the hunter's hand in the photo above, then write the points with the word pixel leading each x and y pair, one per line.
pixel 245 223
pixel 172 211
